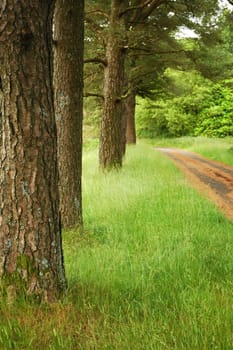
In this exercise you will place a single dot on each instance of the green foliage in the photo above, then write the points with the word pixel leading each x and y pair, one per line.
pixel 217 120
pixel 152 47
pixel 178 123
pixel 91 118
pixel 150 118
pixel 213 53
pixel 192 105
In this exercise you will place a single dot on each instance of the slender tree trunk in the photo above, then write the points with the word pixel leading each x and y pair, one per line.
pixel 130 116
pixel 124 117
pixel 110 154
pixel 123 128
pixel 1 108
pixel 31 257
pixel 68 85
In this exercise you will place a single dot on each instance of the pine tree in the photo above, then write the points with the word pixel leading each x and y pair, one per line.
pixel 131 19
pixel 31 258
pixel 68 86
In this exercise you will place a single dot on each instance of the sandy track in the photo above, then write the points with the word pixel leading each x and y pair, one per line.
pixel 212 178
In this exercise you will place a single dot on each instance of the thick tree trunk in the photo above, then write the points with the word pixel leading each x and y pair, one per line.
pixel 31 256
pixel 130 115
pixel 68 85
pixel 110 154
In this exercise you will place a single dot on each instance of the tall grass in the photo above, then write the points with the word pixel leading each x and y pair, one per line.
pixel 152 270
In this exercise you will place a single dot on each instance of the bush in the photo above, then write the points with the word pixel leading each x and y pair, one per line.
pixel 217 120
pixel 206 110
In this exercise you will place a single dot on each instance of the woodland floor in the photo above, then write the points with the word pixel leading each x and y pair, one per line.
pixel 211 178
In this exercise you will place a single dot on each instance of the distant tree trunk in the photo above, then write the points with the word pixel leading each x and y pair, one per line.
pixel 31 257
pixel 123 128
pixel 110 154
pixel 124 117
pixel 1 107
pixel 130 115
pixel 68 85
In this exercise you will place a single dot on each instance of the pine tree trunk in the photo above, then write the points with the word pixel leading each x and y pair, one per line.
pixel 68 85
pixel 110 154
pixel 130 115
pixel 31 255
pixel 123 128
pixel 124 117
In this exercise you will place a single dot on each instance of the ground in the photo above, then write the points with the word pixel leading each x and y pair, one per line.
pixel 212 178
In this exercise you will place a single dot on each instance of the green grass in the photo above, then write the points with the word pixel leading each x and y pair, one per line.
pixel 152 270
pixel 213 148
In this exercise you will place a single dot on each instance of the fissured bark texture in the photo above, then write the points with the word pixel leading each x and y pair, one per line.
pixel 110 154
pixel 30 234
pixel 68 86
pixel 130 115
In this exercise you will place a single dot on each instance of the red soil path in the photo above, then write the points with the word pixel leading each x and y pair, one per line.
pixel 212 178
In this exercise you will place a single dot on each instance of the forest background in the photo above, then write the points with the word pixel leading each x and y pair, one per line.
pixel 180 76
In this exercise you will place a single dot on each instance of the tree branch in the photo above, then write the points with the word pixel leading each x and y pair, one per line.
pixel 96 60
pixel 147 9
pixel 93 94
pixel 132 8
pixel 123 97
pixel 151 51
pixel 98 12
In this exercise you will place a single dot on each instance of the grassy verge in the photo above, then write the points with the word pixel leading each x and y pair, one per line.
pixel 153 270
pixel 213 148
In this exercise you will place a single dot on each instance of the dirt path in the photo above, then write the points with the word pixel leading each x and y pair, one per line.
pixel 212 178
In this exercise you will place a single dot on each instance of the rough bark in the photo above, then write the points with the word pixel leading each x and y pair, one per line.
pixel 123 128
pixel 124 116
pixel 110 154
pixel 68 86
pixel 31 257
pixel 130 116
